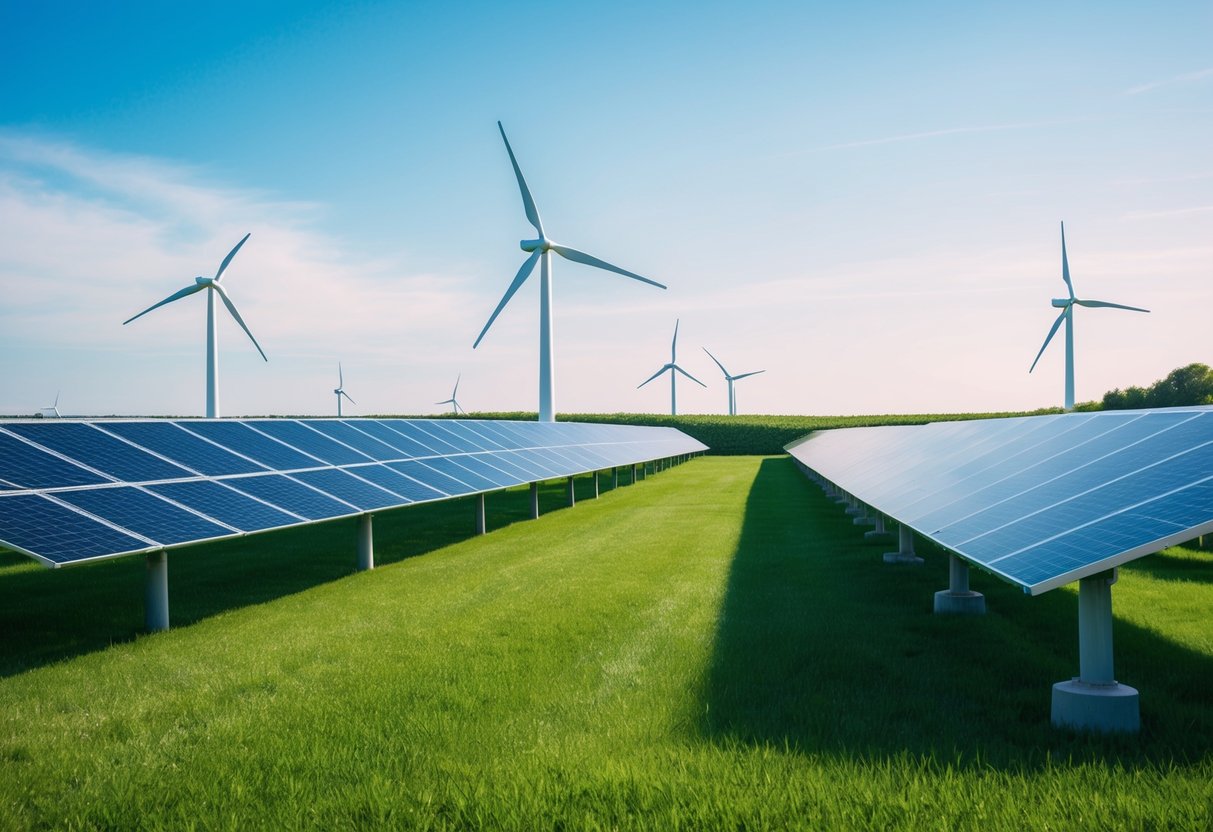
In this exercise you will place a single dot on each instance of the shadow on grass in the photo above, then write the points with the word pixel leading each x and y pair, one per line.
pixel 50 615
pixel 823 648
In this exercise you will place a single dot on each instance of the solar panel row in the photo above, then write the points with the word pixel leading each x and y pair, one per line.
pixel 1041 501
pixel 75 491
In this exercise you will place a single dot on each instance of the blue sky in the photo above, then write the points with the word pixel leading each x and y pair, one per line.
pixel 861 199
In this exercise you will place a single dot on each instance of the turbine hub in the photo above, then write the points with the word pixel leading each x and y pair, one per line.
pixel 1061 303
pixel 542 244
pixel 204 281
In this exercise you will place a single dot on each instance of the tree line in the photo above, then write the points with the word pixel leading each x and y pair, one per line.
pixel 1184 386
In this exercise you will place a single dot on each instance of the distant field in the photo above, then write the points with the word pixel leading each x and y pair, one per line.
pixel 753 435
pixel 715 647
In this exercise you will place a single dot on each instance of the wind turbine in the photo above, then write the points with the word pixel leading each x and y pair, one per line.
pixel 51 412
pixel 212 348
pixel 673 369
pixel 452 401
pixel 541 252
pixel 1066 305
pixel 730 379
pixel 340 391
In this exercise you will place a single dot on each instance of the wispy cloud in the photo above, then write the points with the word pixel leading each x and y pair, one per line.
pixel 1186 78
pixel 1174 212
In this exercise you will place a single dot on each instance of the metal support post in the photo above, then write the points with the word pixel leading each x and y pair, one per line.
pixel 569 492
pixel 879 532
pixel 958 599
pixel 595 476
pixel 366 544
pixel 481 526
pixel 614 476
pixel 905 548
pixel 534 501
pixel 155 592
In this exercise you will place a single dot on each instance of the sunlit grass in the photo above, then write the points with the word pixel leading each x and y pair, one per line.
pixel 714 648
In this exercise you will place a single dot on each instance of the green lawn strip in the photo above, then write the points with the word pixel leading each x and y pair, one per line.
pixel 716 647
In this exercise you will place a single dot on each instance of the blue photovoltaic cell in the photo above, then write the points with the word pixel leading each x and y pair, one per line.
pixel 408 448
pixel 531 462
pixel 479 466
pixel 346 435
pixel 309 441
pixel 173 483
pixel 483 442
pixel 84 443
pixel 286 493
pixel 414 431
pixel 432 477
pixel 1042 501
pixel 57 533
pixel 168 440
pixel 385 477
pixel 225 505
pixel 144 514
pixel 244 440
pixel 349 488
pixel 455 441
pixel 27 467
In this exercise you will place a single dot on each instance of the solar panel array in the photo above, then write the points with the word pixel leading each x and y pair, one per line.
pixel 73 491
pixel 1040 501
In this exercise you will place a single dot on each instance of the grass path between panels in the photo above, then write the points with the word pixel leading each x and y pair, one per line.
pixel 715 647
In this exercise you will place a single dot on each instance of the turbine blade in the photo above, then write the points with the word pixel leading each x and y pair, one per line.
pixel 650 378
pixel 340 376
pixel 718 364
pixel 1104 303
pixel 230 255
pixel 589 260
pixel 1048 338
pixel 674 343
pixel 446 401
pixel 231 307
pixel 188 290
pixel 1065 263
pixel 747 375
pixel 347 396
pixel 532 213
pixel 528 266
pixel 455 392
pixel 688 375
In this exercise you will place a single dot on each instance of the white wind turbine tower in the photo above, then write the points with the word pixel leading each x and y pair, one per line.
pixel 340 391
pixel 453 401
pixel 540 250
pixel 730 379
pixel 673 369
pixel 1066 305
pixel 212 347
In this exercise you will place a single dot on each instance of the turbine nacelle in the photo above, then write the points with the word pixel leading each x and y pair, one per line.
pixel 204 281
pixel 542 244
pixel 1061 303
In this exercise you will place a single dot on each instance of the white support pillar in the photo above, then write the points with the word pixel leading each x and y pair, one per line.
pixel 595 476
pixel 572 497
pixel 155 592
pixel 879 532
pixel 366 544
pixel 905 548
pixel 481 526
pixel 1094 700
pixel 853 506
pixel 633 473
pixel 614 476
pixel 958 599
pixel 864 517
pixel 534 501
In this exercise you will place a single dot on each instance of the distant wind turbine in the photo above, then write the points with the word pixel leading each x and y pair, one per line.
pixel 1066 305
pixel 730 379
pixel 340 391
pixel 212 348
pixel 673 370
pixel 53 410
pixel 540 250
pixel 453 401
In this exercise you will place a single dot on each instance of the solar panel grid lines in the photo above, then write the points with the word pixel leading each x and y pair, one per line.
pixel 1040 504
pixel 238 477
pixel 85 445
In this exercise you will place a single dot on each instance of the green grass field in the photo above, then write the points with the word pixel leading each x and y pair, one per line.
pixel 715 647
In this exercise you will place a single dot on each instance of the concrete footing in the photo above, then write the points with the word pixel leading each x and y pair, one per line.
pixel 958 599
pixel 905 548
pixel 1094 700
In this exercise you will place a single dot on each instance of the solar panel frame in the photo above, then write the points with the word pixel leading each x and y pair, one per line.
pixel 1056 498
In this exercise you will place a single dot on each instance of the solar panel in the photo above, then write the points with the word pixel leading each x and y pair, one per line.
pixel 80 490
pixel 1040 501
